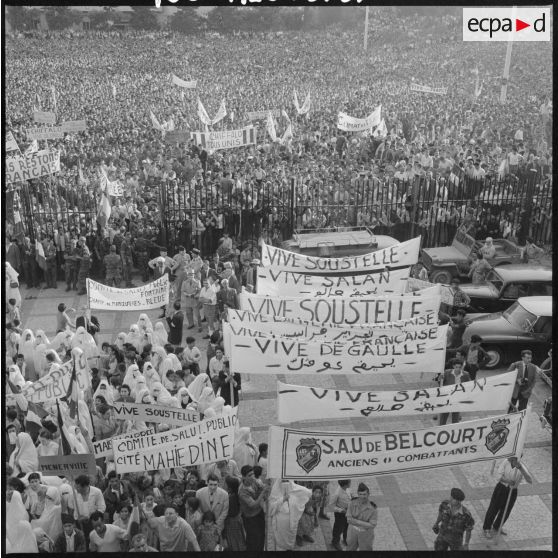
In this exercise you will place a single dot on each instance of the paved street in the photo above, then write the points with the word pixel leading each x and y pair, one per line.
pixel 407 503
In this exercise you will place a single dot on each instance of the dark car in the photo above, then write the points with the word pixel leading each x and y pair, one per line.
pixel 526 324
pixel 505 284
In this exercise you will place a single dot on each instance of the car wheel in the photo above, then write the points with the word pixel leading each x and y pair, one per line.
pixel 442 276
pixel 495 357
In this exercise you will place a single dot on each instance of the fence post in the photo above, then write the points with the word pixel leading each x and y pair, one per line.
pixel 527 212
pixel 292 208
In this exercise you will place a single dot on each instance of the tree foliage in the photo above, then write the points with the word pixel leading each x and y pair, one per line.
pixel 21 18
pixel 186 20
pixel 143 18
pixel 61 17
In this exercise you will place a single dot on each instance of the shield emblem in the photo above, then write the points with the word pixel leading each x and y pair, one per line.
pixel 497 437
pixel 308 453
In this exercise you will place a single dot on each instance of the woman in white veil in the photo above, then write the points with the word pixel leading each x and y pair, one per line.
pixel 200 382
pixel 160 395
pixel 11 278
pixel 159 356
pixel 15 376
pixel 144 323
pixel 160 336
pixel 151 375
pixel 51 518
pixel 286 506
pixel 131 377
pixel 39 360
pixel 120 340
pixel 24 458
pixel 86 343
pixel 244 451
pixel 41 338
pixel 134 337
pixel 27 349
pixel 19 535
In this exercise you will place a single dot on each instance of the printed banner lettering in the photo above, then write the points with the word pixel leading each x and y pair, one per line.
pixel 207 441
pixel 177 136
pixel 51 386
pixel 492 393
pixel 42 117
pixel 405 352
pixel 45 133
pixel 186 84
pixel 33 165
pixel 417 285
pixel 147 297
pixel 308 455
pixel 343 311
pixel 426 89
pixel 68 465
pixel 351 124
pixel 273 281
pixel 115 188
pixel 403 254
pixel 103 448
pixel 154 413
pixel 262 114
pixel 72 126
pixel 226 139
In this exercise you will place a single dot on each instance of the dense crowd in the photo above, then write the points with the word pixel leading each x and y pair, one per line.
pixel 447 161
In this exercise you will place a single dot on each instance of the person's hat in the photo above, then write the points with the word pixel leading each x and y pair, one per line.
pixel 457 494
pixel 162 248
pixel 489 239
pixel 113 248
pixel 227 265
pixel 255 261
pixel 190 272
pixel 82 238
pixel 195 251
pixel 362 488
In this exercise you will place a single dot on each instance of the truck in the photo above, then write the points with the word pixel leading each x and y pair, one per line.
pixel 337 242
pixel 443 263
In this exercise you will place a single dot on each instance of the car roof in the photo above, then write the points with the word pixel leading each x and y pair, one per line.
pixel 539 305
pixel 524 272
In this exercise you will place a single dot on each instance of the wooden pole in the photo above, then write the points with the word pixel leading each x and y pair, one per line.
pixel 366 30
pixel 504 90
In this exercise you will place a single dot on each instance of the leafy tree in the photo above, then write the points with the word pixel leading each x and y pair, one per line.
pixel 143 18
pixel 186 20
pixel 60 17
pixel 20 17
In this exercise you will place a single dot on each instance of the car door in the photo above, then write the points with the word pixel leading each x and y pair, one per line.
pixel 510 293
pixel 541 338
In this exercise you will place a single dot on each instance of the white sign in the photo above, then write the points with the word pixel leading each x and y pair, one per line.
pixel 11 143
pixel 308 455
pixel 147 412
pixel 186 84
pixel 492 393
pixel 414 285
pixel 103 448
pixel 262 114
pixel 399 255
pixel 344 311
pixel 115 188
pixel 44 117
pixel 207 441
pixel 33 165
pixel 73 126
pixel 147 297
pixel 351 124
pixel 406 352
pixel 227 139
pixel 275 282
pixel 45 132
pixel 426 89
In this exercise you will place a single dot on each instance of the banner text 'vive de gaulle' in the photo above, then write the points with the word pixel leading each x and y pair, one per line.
pixel 147 297
pixel 310 455
pixel 296 403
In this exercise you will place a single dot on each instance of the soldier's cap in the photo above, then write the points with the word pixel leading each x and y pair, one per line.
pixel 113 248
pixel 82 238
pixel 227 265
pixel 162 248
pixel 362 488
pixel 457 494
pixel 195 251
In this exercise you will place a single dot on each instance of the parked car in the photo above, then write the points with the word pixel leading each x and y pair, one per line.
pixel 337 242
pixel 526 324
pixel 505 284
pixel 445 262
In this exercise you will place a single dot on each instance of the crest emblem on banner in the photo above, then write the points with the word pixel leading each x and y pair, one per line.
pixel 308 453
pixel 498 436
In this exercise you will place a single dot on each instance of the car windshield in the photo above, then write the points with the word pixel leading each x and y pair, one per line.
pixel 519 317
pixel 495 279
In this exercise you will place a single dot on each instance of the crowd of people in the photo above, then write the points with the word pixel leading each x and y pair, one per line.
pixel 447 161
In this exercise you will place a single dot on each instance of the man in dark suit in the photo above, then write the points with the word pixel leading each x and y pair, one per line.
pixel 526 378
pixel 176 322
pixel 71 539
pixel 89 322
pixel 454 375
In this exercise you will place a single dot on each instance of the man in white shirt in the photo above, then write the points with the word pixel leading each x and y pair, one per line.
pixel 511 472
pixel 192 355
pixel 215 499
pixel 84 501
pixel 208 297
pixel 105 537
pixel 216 363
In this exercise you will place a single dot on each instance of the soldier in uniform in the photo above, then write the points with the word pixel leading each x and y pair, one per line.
pixel 126 256
pixel 183 263
pixel 70 266
pixel 118 238
pixel 83 256
pixel 141 249
pixel 197 263
pixel 102 249
pixel 189 299
pixel 113 268
pixel 50 257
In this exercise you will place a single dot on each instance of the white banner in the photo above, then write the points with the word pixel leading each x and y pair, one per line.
pixel 405 352
pixel 147 412
pixel 351 124
pixel 51 386
pixel 115 188
pixel 273 281
pixel 343 311
pixel 11 143
pixel 403 254
pixel 207 441
pixel 186 84
pixel 492 393
pixel 241 321
pixel 147 297
pixel 32 165
pixel 414 285
pixel 45 133
pixel 426 89
pixel 262 114
pixel 226 139
pixel 103 448
pixel 42 117
pixel 309 455
pixel 73 126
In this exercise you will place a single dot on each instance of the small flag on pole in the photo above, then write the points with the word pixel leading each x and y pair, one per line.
pixel 54 105
pixel 64 448
pixel 40 255
pixel 104 212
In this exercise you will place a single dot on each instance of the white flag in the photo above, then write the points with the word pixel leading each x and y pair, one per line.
pixel 32 148
pixel 202 113
pixel 306 106
pixel 113 87
pixel 287 135
pixel 221 113
pixel 181 83
pixel 154 121
pixel 271 127
pixel 297 106
pixel 381 131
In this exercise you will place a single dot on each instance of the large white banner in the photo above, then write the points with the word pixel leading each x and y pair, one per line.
pixel 226 139
pixel 45 133
pixel 146 412
pixel 406 352
pixel 33 165
pixel 262 114
pixel 309 455
pixel 147 297
pixel 207 441
pixel 11 143
pixel 414 285
pixel 403 254
pixel 42 117
pixel 492 393
pixel 103 448
pixel 426 89
pixel 351 124
pixel 344 311
pixel 274 281
pixel 186 84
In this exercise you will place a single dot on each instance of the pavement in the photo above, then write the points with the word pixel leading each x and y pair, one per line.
pixel 407 502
